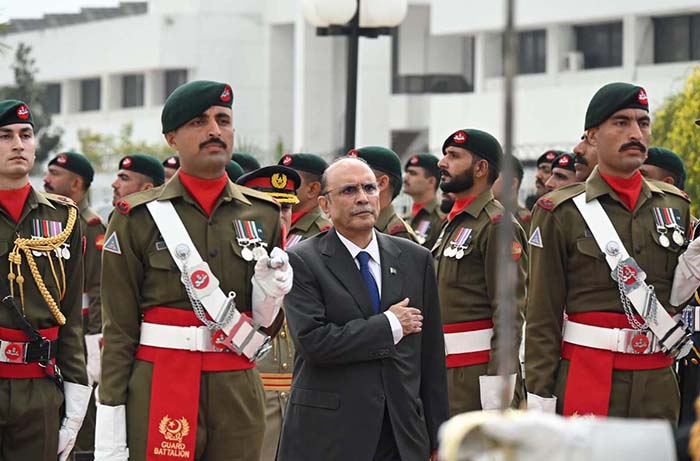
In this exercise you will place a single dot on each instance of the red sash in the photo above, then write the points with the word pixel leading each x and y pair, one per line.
pixel 24 370
pixel 589 381
pixel 468 358
pixel 172 419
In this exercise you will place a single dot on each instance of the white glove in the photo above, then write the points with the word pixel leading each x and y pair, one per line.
pixel 270 284
pixel 490 390
pixel 110 434
pixel 77 398
pixel 538 436
pixel 92 343
pixel 687 276
pixel 541 404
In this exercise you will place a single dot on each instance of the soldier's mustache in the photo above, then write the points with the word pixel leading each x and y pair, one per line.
pixel 579 159
pixel 444 172
pixel 213 141
pixel 636 144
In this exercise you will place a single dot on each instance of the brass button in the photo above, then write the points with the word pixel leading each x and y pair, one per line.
pixel 285 366
pixel 283 334
pixel 283 395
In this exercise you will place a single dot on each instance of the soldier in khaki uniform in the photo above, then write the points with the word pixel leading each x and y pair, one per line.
pixel 246 161
pixel 307 217
pixel 585 158
pixel 275 368
pixel 421 181
pixel 41 335
pixel 171 165
pixel 568 368
pixel 466 256
pixel 70 174
pixel 522 214
pixel 171 387
pixel 387 168
pixel 137 172
pixel 664 165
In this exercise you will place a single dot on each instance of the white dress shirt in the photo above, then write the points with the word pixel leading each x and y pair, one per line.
pixel 376 269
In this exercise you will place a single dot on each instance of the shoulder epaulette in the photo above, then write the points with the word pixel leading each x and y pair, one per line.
pixel 60 199
pixel 555 198
pixel 671 189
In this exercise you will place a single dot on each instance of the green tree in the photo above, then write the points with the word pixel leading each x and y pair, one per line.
pixel 105 151
pixel 27 89
pixel 674 128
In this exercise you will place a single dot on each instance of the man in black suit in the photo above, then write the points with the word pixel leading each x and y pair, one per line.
pixel 369 376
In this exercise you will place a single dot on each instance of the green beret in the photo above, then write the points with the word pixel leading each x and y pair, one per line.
pixel 192 100
pixel 76 163
pixel 309 163
pixel 172 162
pixel 564 160
pixel 146 165
pixel 613 97
pixel 14 111
pixel 427 161
pixel 246 161
pixel 668 160
pixel 277 180
pixel 548 157
pixel 384 160
pixel 234 170
pixel 477 142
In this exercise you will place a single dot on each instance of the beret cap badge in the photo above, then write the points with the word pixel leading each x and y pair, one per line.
pixel 23 112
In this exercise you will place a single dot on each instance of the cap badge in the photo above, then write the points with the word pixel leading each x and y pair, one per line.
pixel 226 94
pixel 61 159
pixel 564 161
pixel 352 153
pixel 279 180
pixel 172 161
pixel 23 112
pixel 551 155
pixel 287 160
pixel 126 162
pixel 460 137
pixel 414 160
pixel 642 97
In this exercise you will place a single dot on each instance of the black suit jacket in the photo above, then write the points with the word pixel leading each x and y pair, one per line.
pixel 347 369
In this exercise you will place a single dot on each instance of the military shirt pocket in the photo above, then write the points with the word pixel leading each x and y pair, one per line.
pixel 655 254
pixel 162 260
pixel 462 271
pixel 589 247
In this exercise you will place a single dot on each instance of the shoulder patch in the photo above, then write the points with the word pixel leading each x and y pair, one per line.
pixel 397 229
pixel 516 251
pixel 100 242
pixel 536 238
pixel 546 203
pixel 112 244
pixel 123 207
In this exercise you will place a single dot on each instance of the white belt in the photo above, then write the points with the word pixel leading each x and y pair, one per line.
pixel 196 339
pixel 468 341
pixel 610 339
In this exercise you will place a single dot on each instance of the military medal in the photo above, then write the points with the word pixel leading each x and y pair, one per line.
pixel 460 253
pixel 293 239
pixel 247 236
pixel 65 252
pixel 661 228
pixel 42 228
pixel 678 238
pixel 247 254
pixel 461 242
pixel 259 252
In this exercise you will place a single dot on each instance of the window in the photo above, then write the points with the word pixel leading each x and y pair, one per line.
pixel 173 79
pixel 532 52
pixel 53 98
pixel 132 90
pixel 90 94
pixel 601 44
pixel 677 38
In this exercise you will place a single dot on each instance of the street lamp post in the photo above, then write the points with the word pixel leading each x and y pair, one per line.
pixel 354 19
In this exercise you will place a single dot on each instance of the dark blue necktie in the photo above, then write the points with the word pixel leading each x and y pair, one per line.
pixel 363 258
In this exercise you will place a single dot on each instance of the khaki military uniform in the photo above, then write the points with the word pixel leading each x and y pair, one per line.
pixel 468 291
pixel 94 232
pixel 389 222
pixel 427 223
pixel 30 407
pixel 276 367
pixel 569 275
pixel 142 275
pixel 524 217
pixel 307 226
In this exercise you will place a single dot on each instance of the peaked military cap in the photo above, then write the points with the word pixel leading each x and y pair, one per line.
pixel 193 99
pixel 14 111
pixel 613 97
pixel 309 163
pixel 234 170
pixel 246 161
pixel 478 142
pixel 278 181
pixel 146 165
pixel 75 163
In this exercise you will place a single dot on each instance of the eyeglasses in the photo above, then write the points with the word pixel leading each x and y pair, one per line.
pixel 351 190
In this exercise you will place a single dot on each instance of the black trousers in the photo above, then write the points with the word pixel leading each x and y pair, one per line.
pixel 386 447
